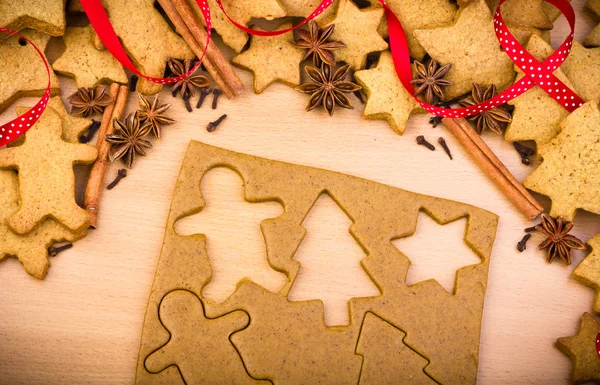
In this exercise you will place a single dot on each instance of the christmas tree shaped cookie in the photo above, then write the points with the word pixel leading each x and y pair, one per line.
pixel 581 349
pixel 588 271
pixel 386 97
pixel 272 59
pixel 582 67
pixel 357 28
pixel 470 44
pixel 570 173
pixel 537 116
pixel 88 65
pixel 47 16
pixel 46 180
pixel 22 73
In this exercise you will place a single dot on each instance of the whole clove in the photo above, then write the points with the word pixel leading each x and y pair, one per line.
pixel 186 101
pixel 133 83
pixel 216 93
pixel 522 244
pixel 213 125
pixel 91 132
pixel 204 91
pixel 444 145
pixel 122 173
pixel 531 229
pixel 422 142
pixel 53 251
pixel 524 152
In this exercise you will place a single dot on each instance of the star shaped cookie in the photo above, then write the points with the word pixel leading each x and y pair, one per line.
pixel 588 271
pixel 73 127
pixel 46 16
pixel 470 44
pixel 242 12
pixel 581 349
pixel 82 61
pixel 22 72
pixel 147 37
pixel 357 28
pixel 386 96
pixel 583 68
pixel 525 13
pixel 303 8
pixel 570 173
pixel 537 116
pixel 272 59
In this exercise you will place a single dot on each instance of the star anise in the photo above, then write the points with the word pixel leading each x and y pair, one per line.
pixel 328 88
pixel 430 80
pixel 154 114
pixel 128 139
pixel 187 85
pixel 492 119
pixel 559 242
pixel 315 41
pixel 87 101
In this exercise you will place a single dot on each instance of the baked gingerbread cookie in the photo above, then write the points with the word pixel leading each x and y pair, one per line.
pixel 22 72
pixel 582 67
pixel 588 271
pixel 46 179
pixel 537 116
pixel 593 38
pixel 570 173
pixel 46 16
pixel 470 44
pixel 358 29
pixel 581 349
pixel 84 62
pixel 525 13
pixel 272 59
pixel 386 96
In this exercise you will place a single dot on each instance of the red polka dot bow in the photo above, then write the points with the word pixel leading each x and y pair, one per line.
pixel 536 73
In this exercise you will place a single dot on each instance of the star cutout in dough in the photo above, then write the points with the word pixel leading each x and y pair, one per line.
pixel 470 44
pixel 242 12
pixel 82 61
pixel 583 68
pixel 537 116
pixel 386 96
pixel 588 271
pixel 199 346
pixel 581 349
pixel 272 58
pixel 73 127
pixel 22 72
pixel 357 28
pixel 46 16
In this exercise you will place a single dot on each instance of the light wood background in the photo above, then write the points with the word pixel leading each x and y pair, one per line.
pixel 82 324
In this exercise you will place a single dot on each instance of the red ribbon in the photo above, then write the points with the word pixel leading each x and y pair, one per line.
pixel 536 73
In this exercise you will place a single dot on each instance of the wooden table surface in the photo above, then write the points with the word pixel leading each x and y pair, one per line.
pixel 82 324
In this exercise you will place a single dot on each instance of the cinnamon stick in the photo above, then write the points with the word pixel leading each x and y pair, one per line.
pixel 93 190
pixel 494 168
pixel 215 56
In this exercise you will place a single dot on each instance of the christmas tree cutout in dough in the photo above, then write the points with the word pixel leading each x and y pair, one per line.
pixel 330 262
pixel 235 245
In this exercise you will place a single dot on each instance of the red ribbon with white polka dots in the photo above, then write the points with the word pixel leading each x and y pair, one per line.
pixel 17 127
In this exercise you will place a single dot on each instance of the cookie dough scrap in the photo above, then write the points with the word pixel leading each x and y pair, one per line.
pixel 588 271
pixel 217 362
pixel 581 349
pixel 242 12
pixel 22 72
pixel 537 116
pixel 570 173
pixel 357 28
pixel 582 67
pixel 31 249
pixel 525 13
pixel 88 65
pixel 386 96
pixel 272 59
pixel 386 359
pixel 73 127
pixel 147 38
pixel 288 342
pixel 46 179
pixel 46 16
pixel 470 44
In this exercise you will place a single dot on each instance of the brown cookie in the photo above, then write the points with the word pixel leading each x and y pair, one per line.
pixel 44 16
